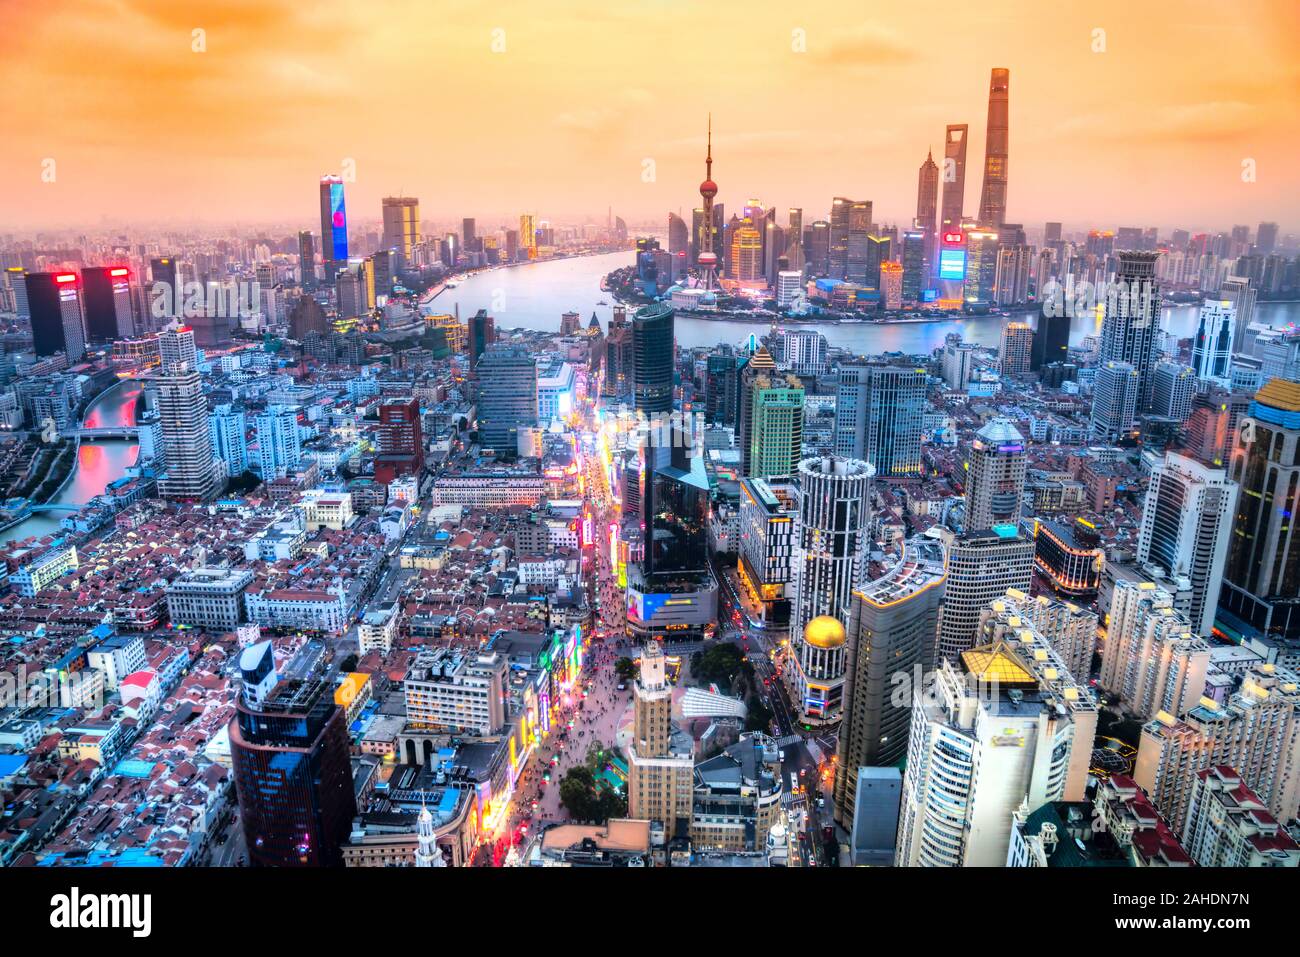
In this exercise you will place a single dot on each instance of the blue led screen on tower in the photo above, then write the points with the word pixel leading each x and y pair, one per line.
pixel 338 224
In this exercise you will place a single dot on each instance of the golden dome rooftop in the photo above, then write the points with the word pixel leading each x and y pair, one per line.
pixel 824 632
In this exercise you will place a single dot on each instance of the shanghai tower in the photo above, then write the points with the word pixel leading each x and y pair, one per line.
pixel 993 197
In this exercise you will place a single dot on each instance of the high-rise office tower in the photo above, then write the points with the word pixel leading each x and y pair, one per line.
pixel 995 477
pixel 469 236
pixel 1017 348
pixel 1005 727
pixel 850 226
pixel 107 298
pixel 177 351
pixel 292 774
pixel 166 298
pixel 830 561
pixel 953 175
pixel 401 225
pixel 1266 238
pixel 192 470
pixel 927 206
pixel 722 386
pixel 858 249
pixel 1257 732
pixel 1151 661
pixel 675 509
pixel 1130 327
pixel 229 429
pixel 1241 294
pixel 307 259
pixel 1051 340
pixel 982 565
pixel 279 442
pixel 916 264
pixel 891 637
pixel 1186 527
pixel 507 396
pixel 759 364
pixel 794 251
pixel 333 225
pixel 1173 389
pixel 1212 344
pixel 1115 401
pixel 1261 593
pixel 707 259
pixel 981 265
pixel 482 333
pixel 18 285
pixel 879 411
pixel 1070 630
pixel 660 757
pixel 679 241
pixel 653 359
pixel 776 435
pixel 54 299
pixel 401 441
pixel 993 195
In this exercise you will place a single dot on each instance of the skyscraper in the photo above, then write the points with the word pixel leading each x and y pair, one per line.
pixel 1115 401
pixel 1017 348
pixel 1004 727
pixel 830 562
pixel 333 225
pixel 981 265
pixel 1241 293
pixel 507 396
pixel 776 438
pixel 401 442
pixel 1261 593
pixel 192 471
pixel 891 638
pixel 760 364
pixel 993 196
pixel 401 225
pixel 482 333
pixel 995 478
pixel 878 416
pixel 653 359
pixel 307 259
pixel 229 428
pixel 1257 732
pixel 982 565
pixel 166 298
pixel 54 299
pixel 1151 661
pixel 1186 527
pixel 707 260
pixel 107 291
pixel 1212 344
pixel 292 775
pixel 927 206
pixel 1051 339
pixel 1130 327
pixel 917 253
pixel 954 175
pixel 279 444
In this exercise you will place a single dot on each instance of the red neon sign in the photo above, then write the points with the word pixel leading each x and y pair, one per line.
pixel 120 271
pixel 66 277
pixel 953 238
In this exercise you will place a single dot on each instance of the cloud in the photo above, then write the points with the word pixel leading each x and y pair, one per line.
pixel 867 46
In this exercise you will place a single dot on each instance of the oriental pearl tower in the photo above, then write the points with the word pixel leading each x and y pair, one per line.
pixel 708 259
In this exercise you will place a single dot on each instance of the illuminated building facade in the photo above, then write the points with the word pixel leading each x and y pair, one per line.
pixel 995 478
pixel 661 759
pixel 1152 660
pixel 830 560
pixel 1069 556
pixel 107 292
pixel 993 196
pixel 54 299
pixel 292 775
pixel 767 522
pixel 878 416
pixel 333 225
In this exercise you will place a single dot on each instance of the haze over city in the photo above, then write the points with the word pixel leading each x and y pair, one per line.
pixel 489 110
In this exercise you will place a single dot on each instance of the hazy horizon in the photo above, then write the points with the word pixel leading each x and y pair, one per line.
pixel 490 113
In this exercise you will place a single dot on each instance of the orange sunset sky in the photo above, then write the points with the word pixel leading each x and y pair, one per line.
pixel 142 129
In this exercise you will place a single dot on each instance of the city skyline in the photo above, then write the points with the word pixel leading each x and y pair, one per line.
pixel 1088 130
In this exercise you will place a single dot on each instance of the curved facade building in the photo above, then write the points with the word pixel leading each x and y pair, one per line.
pixel 891 643
pixel 830 551
pixel 652 359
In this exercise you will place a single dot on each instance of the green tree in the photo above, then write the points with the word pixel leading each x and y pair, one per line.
pixel 625 668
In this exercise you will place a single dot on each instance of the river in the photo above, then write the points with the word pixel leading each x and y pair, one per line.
pixel 534 296
pixel 98 463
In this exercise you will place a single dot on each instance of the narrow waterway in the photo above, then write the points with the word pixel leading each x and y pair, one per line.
pixel 98 463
